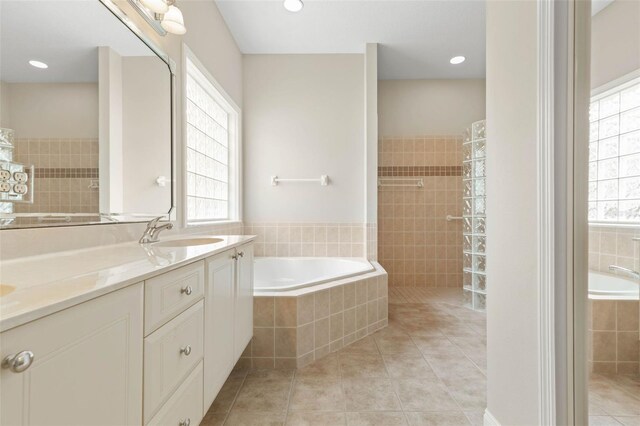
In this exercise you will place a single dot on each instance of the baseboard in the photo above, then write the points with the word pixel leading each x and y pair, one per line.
pixel 489 420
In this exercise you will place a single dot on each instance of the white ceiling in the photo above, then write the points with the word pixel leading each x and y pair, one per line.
pixel 417 37
pixel 63 34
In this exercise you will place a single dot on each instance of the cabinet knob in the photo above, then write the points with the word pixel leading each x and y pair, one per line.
pixel 187 290
pixel 186 350
pixel 241 253
pixel 234 256
pixel 185 422
pixel 18 362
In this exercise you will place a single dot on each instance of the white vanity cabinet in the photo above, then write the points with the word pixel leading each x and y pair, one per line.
pixel 152 353
pixel 86 367
pixel 228 315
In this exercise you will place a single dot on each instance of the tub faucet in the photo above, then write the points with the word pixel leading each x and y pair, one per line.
pixel 150 234
pixel 626 271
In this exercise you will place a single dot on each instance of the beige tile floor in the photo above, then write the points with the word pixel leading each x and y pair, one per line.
pixel 426 368
pixel 614 400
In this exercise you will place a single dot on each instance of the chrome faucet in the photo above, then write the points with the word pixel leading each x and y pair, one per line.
pixel 150 234
pixel 626 271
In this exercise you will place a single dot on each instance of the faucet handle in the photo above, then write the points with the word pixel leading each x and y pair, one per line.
pixel 153 222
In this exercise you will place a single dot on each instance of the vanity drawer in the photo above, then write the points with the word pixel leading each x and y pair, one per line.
pixel 186 405
pixel 170 353
pixel 169 294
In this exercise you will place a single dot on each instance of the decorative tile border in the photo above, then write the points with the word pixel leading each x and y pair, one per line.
pixel 420 171
pixel 293 331
pixel 46 172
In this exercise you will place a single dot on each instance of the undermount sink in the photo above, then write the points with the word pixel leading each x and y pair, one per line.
pixel 6 289
pixel 187 242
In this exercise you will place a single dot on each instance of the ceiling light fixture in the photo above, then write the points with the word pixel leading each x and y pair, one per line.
pixel 163 15
pixel 293 5
pixel 38 64
pixel 457 60
pixel 173 21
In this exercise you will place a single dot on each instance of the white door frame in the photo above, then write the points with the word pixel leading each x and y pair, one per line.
pixel 563 100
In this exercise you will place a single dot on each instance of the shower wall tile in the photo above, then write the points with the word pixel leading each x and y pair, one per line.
pixel 310 239
pixel 65 170
pixel 417 246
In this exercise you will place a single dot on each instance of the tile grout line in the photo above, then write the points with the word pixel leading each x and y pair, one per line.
pixel 235 397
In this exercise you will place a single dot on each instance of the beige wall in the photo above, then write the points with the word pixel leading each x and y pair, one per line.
pixel 429 107
pixel 304 117
pixel 52 110
pixel 512 307
pixel 615 41
pixel 146 109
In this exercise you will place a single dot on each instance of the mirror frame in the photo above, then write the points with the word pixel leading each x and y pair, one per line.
pixel 111 218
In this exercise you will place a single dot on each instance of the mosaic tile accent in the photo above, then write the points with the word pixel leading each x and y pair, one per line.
pixel 420 171
pixel 46 172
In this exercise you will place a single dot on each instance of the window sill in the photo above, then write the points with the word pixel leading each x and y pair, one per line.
pixel 624 225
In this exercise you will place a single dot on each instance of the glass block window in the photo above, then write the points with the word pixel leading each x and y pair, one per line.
pixel 210 151
pixel 614 155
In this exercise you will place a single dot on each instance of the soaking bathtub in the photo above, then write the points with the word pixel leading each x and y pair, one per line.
pixel 281 274
pixel 612 287
pixel 307 307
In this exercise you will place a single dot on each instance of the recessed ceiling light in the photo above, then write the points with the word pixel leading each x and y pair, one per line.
pixel 38 64
pixel 293 5
pixel 457 60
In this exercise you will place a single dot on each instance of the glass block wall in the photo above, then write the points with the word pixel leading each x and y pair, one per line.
pixel 474 219
pixel 614 155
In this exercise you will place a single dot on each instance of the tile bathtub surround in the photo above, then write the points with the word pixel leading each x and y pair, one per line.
pixel 416 244
pixel 614 336
pixel 308 239
pixel 291 332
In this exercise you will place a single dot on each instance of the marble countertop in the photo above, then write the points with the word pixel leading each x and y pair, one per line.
pixel 33 287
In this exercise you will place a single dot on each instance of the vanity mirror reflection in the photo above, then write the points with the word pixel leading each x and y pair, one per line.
pixel 85 117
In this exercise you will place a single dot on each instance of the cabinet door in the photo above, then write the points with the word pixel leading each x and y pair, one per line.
pixel 218 325
pixel 244 300
pixel 87 366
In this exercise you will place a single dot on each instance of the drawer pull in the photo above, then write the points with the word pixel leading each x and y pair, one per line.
pixel 186 422
pixel 186 350
pixel 18 362
pixel 241 253
pixel 186 290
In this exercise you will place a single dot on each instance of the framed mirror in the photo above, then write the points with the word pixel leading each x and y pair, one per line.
pixel 86 117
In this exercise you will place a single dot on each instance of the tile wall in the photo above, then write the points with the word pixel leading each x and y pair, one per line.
pixel 614 334
pixel 611 245
pixel 417 246
pixel 290 332
pixel 66 174
pixel 372 241
pixel 308 239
